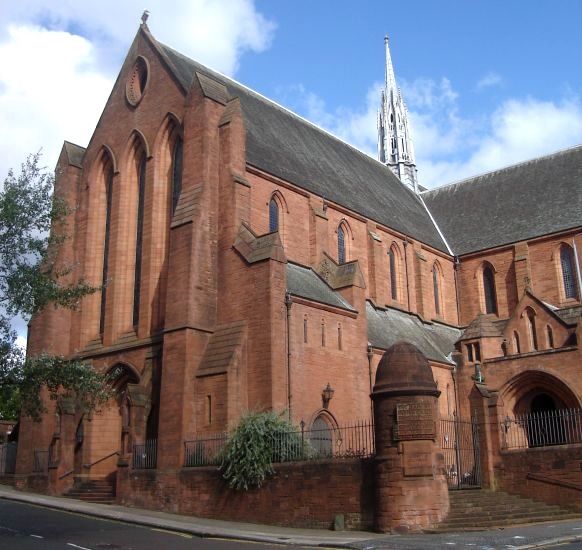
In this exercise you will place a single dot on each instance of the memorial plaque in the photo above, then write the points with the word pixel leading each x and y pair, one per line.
pixel 417 458
pixel 414 421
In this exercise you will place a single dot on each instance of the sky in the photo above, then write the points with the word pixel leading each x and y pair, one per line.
pixel 488 83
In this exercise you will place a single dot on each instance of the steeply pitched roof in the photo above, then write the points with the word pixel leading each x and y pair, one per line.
pixel 304 282
pixel 527 200
pixel 388 326
pixel 570 315
pixel 287 146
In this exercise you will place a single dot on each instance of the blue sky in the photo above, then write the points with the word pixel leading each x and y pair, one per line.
pixel 487 82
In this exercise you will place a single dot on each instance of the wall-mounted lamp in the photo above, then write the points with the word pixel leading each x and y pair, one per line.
pixel 478 377
pixel 326 395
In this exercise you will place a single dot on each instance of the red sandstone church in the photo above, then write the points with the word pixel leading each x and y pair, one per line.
pixel 253 261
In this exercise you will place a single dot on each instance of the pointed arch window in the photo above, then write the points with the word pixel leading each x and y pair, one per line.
pixel 549 337
pixel 516 346
pixel 141 182
pixel 177 156
pixel 531 329
pixel 436 289
pixel 106 244
pixel 393 275
pixel 568 272
pixel 341 245
pixel 489 290
pixel 273 216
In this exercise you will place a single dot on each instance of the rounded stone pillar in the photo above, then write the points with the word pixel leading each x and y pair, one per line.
pixel 411 488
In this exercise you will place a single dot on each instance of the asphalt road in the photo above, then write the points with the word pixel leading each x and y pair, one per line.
pixel 23 527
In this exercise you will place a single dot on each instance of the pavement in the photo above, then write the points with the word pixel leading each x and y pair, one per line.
pixel 541 535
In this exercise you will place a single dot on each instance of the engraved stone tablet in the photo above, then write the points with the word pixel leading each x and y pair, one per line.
pixel 414 421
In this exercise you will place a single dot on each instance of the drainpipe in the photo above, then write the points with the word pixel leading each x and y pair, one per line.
pixel 288 303
pixel 370 355
pixel 405 242
pixel 457 265
pixel 577 265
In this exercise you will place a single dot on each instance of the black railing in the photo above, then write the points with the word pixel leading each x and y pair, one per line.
pixel 145 455
pixel 541 429
pixel 41 461
pixel 352 441
pixel 8 458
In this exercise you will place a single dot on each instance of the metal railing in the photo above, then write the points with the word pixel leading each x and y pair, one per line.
pixel 352 441
pixel 144 455
pixel 41 461
pixel 541 429
pixel 8 458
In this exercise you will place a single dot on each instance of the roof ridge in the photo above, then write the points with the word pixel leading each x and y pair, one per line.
pixel 284 109
pixel 503 168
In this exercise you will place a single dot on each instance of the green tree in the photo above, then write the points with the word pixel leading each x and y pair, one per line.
pixel 32 228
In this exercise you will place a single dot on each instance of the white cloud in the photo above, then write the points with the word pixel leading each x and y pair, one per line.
pixel 58 60
pixel 356 126
pixel 215 32
pixel 489 80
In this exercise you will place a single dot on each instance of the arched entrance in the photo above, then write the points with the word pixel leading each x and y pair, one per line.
pixel 536 404
pixel 108 433
pixel 78 452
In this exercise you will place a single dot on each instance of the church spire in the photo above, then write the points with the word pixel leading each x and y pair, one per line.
pixel 395 147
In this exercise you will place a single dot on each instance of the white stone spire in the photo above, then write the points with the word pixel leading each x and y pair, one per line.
pixel 395 147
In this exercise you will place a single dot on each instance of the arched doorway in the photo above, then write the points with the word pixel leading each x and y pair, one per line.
pixel 536 405
pixel 78 452
pixel 321 436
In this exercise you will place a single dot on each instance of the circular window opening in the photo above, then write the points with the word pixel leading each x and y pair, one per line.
pixel 137 81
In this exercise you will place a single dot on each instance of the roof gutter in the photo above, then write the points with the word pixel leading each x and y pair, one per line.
pixel 436 226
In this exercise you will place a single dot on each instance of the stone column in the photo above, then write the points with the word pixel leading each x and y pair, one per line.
pixel 411 488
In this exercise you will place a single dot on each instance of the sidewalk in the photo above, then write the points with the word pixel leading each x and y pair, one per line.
pixel 525 537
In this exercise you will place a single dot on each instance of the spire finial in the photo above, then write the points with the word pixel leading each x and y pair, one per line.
pixel 144 17
pixel 390 78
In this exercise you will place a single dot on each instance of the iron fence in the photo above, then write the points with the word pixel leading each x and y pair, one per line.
pixel 541 429
pixel 41 461
pixel 205 449
pixel 144 456
pixel 351 441
pixel 8 458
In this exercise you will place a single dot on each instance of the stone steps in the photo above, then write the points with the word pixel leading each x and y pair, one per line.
pixel 475 510
pixel 98 491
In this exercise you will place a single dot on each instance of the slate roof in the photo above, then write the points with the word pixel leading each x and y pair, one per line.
pixel 285 145
pixel 304 282
pixel 570 315
pixel 483 326
pixel 75 153
pixel 388 326
pixel 527 200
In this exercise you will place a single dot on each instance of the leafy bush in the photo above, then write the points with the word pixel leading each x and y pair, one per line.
pixel 259 440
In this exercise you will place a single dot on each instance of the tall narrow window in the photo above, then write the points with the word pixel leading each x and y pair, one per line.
pixel 139 239
pixel 489 290
pixel 273 216
pixel 531 329
pixel 339 337
pixel 341 245
pixel 305 329
pixel 436 289
pixel 568 270
pixel 393 275
pixel 177 156
pixel 549 337
pixel 322 333
pixel 105 274
pixel 516 346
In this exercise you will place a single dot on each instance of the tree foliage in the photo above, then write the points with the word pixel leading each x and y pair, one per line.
pixel 258 441
pixel 32 228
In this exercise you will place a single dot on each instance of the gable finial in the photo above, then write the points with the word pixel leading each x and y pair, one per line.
pixel 144 17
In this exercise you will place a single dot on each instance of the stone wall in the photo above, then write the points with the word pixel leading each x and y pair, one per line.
pixel 307 494
pixel 550 474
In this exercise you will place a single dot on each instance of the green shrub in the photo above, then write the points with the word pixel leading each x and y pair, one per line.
pixel 259 440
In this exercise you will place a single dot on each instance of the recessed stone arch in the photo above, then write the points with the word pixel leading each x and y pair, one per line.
pixel 520 391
